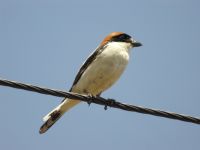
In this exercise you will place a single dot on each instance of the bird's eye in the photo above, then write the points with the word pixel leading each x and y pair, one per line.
pixel 124 37
pixel 121 38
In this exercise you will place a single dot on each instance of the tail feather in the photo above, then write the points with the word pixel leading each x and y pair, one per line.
pixel 45 118
pixel 56 113
pixel 54 116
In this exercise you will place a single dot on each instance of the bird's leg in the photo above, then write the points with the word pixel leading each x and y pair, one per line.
pixel 90 96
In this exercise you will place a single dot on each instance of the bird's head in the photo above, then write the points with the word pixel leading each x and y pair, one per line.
pixel 121 37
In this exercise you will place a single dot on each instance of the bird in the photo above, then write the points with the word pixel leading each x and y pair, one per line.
pixel 98 73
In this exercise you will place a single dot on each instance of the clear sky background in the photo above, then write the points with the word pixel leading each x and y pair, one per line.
pixel 44 42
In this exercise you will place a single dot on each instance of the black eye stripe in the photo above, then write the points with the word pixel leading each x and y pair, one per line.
pixel 122 37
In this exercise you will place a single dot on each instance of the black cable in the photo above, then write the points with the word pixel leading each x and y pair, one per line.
pixel 99 100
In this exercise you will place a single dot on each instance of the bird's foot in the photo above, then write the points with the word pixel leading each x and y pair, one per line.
pixel 90 96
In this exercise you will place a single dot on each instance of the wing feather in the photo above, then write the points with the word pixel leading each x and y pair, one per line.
pixel 85 65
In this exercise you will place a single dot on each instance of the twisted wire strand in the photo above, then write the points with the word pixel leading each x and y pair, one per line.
pixel 99 100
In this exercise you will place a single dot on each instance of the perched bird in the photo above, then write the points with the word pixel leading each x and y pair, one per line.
pixel 99 72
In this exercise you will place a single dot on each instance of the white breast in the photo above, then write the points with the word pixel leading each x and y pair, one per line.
pixel 104 70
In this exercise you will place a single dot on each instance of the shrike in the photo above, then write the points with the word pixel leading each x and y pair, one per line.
pixel 99 72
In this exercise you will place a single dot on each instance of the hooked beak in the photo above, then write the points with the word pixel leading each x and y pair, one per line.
pixel 135 43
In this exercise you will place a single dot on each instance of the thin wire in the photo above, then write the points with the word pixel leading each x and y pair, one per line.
pixel 99 100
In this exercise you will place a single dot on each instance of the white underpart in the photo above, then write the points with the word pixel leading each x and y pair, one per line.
pixel 101 74
pixel 104 70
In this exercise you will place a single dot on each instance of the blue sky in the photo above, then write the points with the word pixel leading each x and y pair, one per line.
pixel 44 42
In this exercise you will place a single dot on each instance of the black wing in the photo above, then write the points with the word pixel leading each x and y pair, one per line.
pixel 90 59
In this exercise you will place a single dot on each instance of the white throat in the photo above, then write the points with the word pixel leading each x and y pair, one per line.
pixel 122 45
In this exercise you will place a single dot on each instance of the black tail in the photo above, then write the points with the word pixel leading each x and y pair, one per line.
pixel 54 116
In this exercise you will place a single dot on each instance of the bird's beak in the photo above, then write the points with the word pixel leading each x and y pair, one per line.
pixel 135 43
